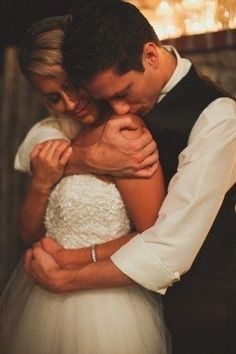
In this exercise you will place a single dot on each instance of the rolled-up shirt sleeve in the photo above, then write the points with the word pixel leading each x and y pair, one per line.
pixel 207 169
pixel 47 129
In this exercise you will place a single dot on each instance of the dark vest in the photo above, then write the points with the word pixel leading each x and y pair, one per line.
pixel 213 271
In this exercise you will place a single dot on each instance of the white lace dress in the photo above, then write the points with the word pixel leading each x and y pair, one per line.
pixel 82 210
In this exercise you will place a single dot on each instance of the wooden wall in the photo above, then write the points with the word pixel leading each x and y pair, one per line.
pixel 19 109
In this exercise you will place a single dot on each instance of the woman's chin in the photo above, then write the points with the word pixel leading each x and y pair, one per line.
pixel 87 120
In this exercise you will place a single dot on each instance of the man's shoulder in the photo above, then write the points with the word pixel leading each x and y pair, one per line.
pixel 222 109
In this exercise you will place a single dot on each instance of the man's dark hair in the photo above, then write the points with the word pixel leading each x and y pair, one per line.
pixel 104 34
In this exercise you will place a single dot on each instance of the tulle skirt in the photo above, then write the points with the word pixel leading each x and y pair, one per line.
pixel 126 320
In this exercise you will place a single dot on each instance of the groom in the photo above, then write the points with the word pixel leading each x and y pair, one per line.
pixel 112 50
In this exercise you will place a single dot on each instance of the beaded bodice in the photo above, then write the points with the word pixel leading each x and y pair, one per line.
pixel 83 210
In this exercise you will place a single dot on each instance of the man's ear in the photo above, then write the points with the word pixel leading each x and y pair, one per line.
pixel 150 55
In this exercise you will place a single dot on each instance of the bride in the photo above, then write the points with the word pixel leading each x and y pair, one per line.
pixel 87 215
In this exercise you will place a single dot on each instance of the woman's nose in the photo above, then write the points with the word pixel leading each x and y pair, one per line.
pixel 70 102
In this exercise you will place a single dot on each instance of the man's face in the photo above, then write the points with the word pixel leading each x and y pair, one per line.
pixel 134 92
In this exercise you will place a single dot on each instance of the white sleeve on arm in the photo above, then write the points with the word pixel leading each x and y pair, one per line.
pixel 207 169
pixel 46 129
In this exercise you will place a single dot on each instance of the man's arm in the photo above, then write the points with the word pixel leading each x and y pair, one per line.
pixel 113 154
pixel 47 273
pixel 206 171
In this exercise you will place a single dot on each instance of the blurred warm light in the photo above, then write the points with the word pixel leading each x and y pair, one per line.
pixel 174 18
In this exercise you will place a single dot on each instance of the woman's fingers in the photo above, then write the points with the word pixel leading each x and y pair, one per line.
pixel 50 149
pixel 36 150
pixel 66 154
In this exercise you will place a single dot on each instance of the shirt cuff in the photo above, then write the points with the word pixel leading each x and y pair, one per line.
pixel 138 262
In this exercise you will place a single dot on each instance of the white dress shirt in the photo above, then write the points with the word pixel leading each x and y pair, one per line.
pixel 207 169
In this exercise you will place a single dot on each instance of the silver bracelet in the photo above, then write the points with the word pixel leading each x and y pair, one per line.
pixel 93 253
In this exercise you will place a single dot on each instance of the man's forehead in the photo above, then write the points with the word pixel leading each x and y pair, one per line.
pixel 108 84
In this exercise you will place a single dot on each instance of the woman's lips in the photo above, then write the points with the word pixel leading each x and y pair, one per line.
pixel 80 112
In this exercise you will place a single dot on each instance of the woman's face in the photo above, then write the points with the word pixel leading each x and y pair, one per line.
pixel 60 98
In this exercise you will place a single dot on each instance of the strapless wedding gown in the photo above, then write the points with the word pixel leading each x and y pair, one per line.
pixel 82 210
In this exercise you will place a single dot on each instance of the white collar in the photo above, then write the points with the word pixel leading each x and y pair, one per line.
pixel 182 68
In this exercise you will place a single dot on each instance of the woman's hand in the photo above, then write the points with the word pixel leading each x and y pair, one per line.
pixel 48 161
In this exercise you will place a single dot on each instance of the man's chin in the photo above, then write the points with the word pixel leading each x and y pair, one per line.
pixel 142 112
pixel 145 111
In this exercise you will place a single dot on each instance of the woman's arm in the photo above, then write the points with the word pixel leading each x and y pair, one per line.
pixel 72 258
pixel 142 196
pixel 47 160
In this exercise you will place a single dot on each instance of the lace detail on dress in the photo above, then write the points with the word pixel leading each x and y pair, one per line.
pixel 83 210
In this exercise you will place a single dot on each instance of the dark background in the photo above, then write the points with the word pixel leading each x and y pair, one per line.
pixel 17 15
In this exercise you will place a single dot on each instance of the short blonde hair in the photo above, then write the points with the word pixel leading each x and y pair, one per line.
pixel 40 52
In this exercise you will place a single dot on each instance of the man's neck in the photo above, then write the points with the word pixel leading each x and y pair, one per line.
pixel 168 63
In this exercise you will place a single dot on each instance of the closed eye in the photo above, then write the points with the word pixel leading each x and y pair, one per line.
pixel 122 94
pixel 52 98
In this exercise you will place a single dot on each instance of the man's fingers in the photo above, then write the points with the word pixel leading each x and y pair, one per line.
pixel 146 172
pixel 113 132
pixel 149 161
pixel 43 258
pixel 42 268
pixel 28 259
pixel 142 141
pixel 50 246
pixel 118 124
pixel 36 244
pixel 148 156
pixel 150 149
pixel 131 146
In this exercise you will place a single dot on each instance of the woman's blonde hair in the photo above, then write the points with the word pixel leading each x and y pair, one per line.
pixel 40 51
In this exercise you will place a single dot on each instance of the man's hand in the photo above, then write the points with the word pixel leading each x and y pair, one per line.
pixel 116 155
pixel 45 271
pixel 65 258
pixel 51 266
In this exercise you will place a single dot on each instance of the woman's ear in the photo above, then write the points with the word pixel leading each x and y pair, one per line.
pixel 150 55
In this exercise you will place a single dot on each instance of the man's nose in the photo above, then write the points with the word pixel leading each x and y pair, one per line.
pixel 120 107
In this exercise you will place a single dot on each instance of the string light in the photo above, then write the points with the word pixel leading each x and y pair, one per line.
pixel 174 18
